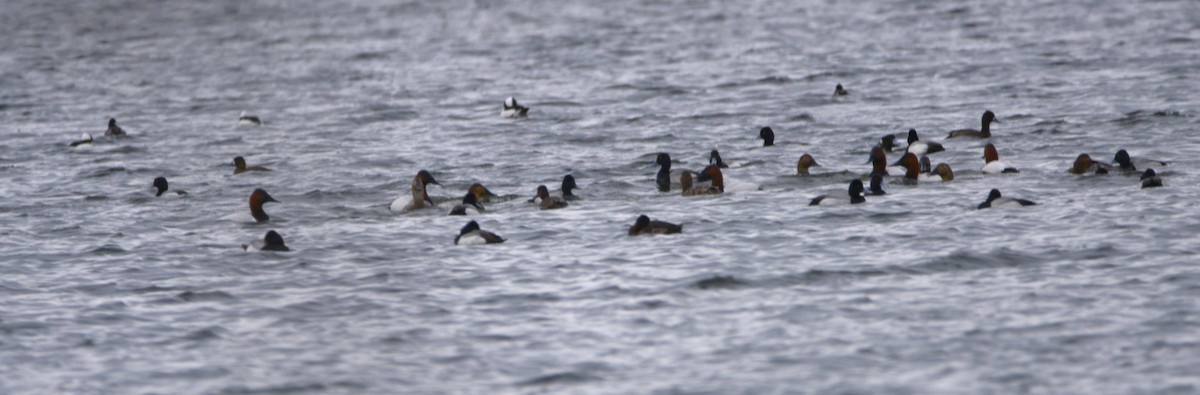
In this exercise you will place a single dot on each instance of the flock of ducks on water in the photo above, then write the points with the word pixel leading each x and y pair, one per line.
pixel 913 166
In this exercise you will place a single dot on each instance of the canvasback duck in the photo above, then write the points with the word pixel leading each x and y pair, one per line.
pixel 994 199
pixel 244 119
pixel 482 194
pixel 839 91
pixel 714 158
pixel 942 172
pixel 549 202
pixel 239 166
pixel 160 184
pixel 256 215
pixel 985 132
pixel 806 161
pixel 1150 179
pixel 645 226
pixel 918 147
pixel 113 129
pixel 271 242
pixel 1084 165
pixel 876 186
pixel 471 234
pixel 711 173
pixel 992 163
pixel 513 110
pixel 854 196
pixel 767 135
pixel 911 165
pixel 568 185
pixel 85 139
pixel 469 204
pixel 420 199
pixel 1130 163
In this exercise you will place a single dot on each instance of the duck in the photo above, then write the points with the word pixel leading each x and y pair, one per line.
pixel 992 163
pixel 994 199
pixel 568 185
pixel 1084 165
pixel 918 147
pixel 714 158
pixel 711 173
pixel 876 186
pixel 1129 163
pixel 482 194
pixel 239 164
pixel 926 165
pixel 912 167
pixel 1150 179
pixel 86 138
pixel 549 202
pixel 888 142
pixel 513 110
pixel 244 119
pixel 160 183
pixel 855 196
pixel 645 226
pixel 113 129
pixel 942 172
pixel 767 135
pixel 665 176
pixel 420 199
pixel 271 242
pixel 471 234
pixel 256 215
pixel 985 132
pixel 839 91
pixel 469 203
pixel 879 164
pixel 806 161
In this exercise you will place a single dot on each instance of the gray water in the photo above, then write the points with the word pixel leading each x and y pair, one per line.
pixel 106 289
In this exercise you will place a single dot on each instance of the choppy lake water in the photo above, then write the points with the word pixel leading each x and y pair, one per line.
pixel 106 289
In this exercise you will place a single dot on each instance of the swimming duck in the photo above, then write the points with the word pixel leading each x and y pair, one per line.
pixel 244 119
pixel 711 173
pixel 714 158
pixel 1150 179
pixel 767 135
pixel 918 147
pixel 257 199
pixel 113 129
pixel 568 184
pixel 85 139
pixel 806 161
pixel 645 226
pixel 482 194
pixel 889 143
pixel 992 163
pixel 995 200
pixel 1129 163
pixel 469 203
pixel 985 132
pixel 271 242
pixel 420 199
pixel 471 234
pixel 513 110
pixel 549 202
pixel 855 196
pixel 1084 164
pixel 879 164
pixel 839 91
pixel 240 167
pixel 666 175
pixel 876 186
pixel 160 183
pixel 912 167
pixel 942 172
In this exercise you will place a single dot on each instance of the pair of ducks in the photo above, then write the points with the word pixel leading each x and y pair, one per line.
pixel 472 234
pixel 113 131
pixel 475 195
pixel 1122 161
pixel 239 163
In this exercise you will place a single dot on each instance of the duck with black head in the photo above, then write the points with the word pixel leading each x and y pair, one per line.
pixel 888 142
pixel 239 166
pixel 918 147
pixel 1131 163
pixel 250 120
pixel 113 129
pixel 645 226
pixel 1150 179
pixel 472 234
pixel 666 177
pixel 839 91
pixel 513 110
pixel 258 198
pixel 995 199
pixel 568 188
pixel 984 132
pixel 85 140
pixel 854 195
pixel 160 183
pixel 767 135
pixel 419 198
pixel 272 241
pixel 876 186
pixel 714 158
pixel 470 205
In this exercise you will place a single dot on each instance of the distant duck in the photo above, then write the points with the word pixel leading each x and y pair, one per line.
pixel 471 234
pixel 767 135
pixel 645 226
pixel 714 158
pixel 876 186
pixel 711 173
pixel 470 204
pixel 984 132
pixel 419 198
pixel 918 147
pixel 513 110
pixel 1150 179
pixel 1084 165
pixel 888 142
pixel 992 163
pixel 568 185
pixel 240 167
pixel 839 91
pixel 244 119
pixel 113 129
pixel 663 179
pixel 549 202
pixel 996 200
pixel 258 198
pixel 806 161
pixel 926 165
pixel 271 242
pixel 854 196
pixel 1129 163
pixel 942 172
pixel 85 139
pixel 160 184
pixel 482 194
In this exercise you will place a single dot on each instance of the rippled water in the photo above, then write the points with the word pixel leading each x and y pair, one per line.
pixel 106 289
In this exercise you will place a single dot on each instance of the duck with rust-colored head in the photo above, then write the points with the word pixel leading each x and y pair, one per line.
pixel 419 199
pixel 239 166
pixel 992 163
pixel 1084 165
pixel 712 174
pixel 806 161
pixel 258 198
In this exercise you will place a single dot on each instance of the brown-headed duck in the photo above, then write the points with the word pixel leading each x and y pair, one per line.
pixel 942 172
pixel 1084 165
pixel 256 215
pixel 985 132
pixel 992 163
pixel 239 166
pixel 711 173
pixel 806 161
pixel 645 226
pixel 549 202
pixel 419 199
